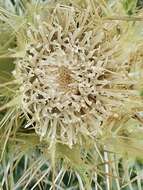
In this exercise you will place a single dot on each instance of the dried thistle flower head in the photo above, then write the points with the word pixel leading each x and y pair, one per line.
pixel 75 75
pixel 79 69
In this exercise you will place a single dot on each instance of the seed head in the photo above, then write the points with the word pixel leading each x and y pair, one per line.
pixel 74 74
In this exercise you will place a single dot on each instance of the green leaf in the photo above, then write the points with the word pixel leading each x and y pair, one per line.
pixel 6 65
pixel 129 6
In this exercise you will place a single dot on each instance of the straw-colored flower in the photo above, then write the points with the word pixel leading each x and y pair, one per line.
pixel 75 74
pixel 71 114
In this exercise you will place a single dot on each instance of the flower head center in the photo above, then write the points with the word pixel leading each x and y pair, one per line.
pixel 64 78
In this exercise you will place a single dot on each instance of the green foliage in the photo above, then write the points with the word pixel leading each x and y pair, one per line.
pixel 129 6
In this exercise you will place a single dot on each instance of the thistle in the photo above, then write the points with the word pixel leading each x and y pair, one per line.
pixel 77 83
